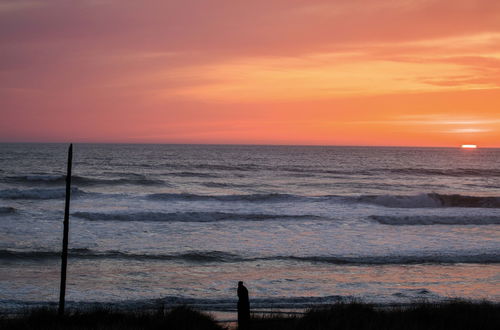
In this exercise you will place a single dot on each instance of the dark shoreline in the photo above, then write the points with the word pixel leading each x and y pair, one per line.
pixel 353 315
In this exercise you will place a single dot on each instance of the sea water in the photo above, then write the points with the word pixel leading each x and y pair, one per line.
pixel 300 225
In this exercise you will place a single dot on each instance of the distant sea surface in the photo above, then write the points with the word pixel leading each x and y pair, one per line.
pixel 299 225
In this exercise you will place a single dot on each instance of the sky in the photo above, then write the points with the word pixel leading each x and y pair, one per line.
pixel 336 72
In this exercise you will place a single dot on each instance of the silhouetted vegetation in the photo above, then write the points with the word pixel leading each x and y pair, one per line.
pixel 342 316
pixel 357 316
pixel 180 318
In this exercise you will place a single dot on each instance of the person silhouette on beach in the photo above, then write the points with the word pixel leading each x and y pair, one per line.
pixel 243 306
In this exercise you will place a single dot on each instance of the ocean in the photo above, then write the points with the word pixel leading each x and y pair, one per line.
pixel 300 225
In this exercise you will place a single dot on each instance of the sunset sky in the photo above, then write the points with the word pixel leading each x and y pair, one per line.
pixel 337 72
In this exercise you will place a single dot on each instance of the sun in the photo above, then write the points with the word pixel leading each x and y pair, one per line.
pixel 469 146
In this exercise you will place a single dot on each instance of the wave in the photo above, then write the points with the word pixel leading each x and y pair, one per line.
pixel 458 172
pixel 192 175
pixel 46 178
pixel 220 167
pixel 400 260
pixel 194 256
pixel 223 185
pixel 83 181
pixel 141 181
pixel 226 257
pixel 430 200
pixel 461 172
pixel 7 210
pixel 273 197
pixel 311 170
pixel 425 200
pixel 185 216
pixel 209 167
pixel 436 220
pixel 301 171
pixel 51 193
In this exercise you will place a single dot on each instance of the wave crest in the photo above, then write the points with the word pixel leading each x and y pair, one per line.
pixel 458 172
pixel 83 180
pixel 430 200
pixel 192 175
pixel 272 197
pixel 221 256
pixel 7 210
pixel 186 216
pixel 402 260
pixel 83 253
pixel 436 220
pixel 51 193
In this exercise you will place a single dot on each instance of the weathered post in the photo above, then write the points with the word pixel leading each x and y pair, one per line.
pixel 64 255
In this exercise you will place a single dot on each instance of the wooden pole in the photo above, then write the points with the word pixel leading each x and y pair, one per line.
pixel 64 255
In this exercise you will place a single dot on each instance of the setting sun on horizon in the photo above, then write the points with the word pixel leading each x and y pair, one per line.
pixel 391 73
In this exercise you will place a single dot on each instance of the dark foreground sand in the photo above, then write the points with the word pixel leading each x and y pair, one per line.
pixel 453 315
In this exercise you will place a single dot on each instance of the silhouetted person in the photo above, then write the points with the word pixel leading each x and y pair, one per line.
pixel 243 306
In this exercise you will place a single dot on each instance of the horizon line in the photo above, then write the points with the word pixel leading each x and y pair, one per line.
pixel 251 144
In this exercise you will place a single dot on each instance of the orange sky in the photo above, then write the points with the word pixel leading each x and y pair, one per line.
pixel 343 72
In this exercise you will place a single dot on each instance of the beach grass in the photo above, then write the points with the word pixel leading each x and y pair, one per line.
pixel 456 315
pixel 181 318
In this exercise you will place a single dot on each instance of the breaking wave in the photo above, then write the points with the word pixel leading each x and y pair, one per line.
pixel 141 181
pixel 186 216
pixel 458 172
pixel 84 181
pixel 221 257
pixel 45 178
pixel 192 175
pixel 194 256
pixel 430 200
pixel 51 193
pixel 226 198
pixel 401 260
pixel 223 185
pixel 7 210
pixel 220 167
pixel 436 220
